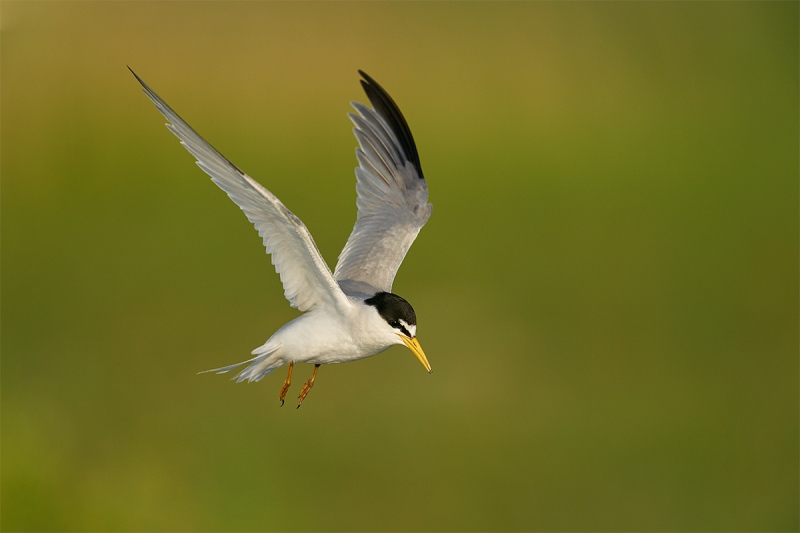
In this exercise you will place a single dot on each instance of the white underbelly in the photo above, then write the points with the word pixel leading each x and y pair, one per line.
pixel 317 339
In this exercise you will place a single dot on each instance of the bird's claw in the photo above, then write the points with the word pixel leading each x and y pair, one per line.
pixel 303 394
pixel 286 383
pixel 307 387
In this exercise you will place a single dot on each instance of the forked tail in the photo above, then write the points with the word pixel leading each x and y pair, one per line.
pixel 260 365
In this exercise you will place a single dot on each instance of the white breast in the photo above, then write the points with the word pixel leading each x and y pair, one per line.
pixel 322 338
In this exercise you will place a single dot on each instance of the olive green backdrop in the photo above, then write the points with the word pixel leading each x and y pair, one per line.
pixel 607 289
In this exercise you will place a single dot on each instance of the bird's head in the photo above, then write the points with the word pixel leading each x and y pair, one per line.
pixel 400 316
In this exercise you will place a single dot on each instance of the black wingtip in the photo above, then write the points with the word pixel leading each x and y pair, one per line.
pixel 134 74
pixel 386 107
pixel 146 88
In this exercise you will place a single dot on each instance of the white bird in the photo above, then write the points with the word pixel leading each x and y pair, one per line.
pixel 351 313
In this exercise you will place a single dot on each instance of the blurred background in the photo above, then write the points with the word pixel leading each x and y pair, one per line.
pixel 607 289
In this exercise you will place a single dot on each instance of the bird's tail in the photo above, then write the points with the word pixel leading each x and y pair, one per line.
pixel 260 365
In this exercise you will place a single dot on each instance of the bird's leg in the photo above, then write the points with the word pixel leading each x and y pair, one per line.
pixel 307 387
pixel 286 383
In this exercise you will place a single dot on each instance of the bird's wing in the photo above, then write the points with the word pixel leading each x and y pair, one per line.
pixel 392 193
pixel 307 280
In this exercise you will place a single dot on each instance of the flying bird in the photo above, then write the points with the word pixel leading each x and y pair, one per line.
pixel 351 313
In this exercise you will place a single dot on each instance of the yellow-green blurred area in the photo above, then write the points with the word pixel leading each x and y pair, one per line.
pixel 607 289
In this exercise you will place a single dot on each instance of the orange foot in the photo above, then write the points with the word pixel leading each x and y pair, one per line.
pixel 286 383
pixel 307 387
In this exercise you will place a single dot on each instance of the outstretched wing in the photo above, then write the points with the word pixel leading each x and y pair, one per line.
pixel 392 193
pixel 307 280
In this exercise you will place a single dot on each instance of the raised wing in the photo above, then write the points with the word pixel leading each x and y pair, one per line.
pixel 307 280
pixel 392 194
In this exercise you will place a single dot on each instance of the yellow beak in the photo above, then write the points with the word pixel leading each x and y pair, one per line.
pixel 413 345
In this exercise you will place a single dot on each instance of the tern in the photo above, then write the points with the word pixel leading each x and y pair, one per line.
pixel 351 313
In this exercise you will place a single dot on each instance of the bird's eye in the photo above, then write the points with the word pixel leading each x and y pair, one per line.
pixel 397 325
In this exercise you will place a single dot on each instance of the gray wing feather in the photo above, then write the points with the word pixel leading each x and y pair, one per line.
pixel 307 280
pixel 392 202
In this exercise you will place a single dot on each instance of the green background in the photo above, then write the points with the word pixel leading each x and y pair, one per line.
pixel 607 289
